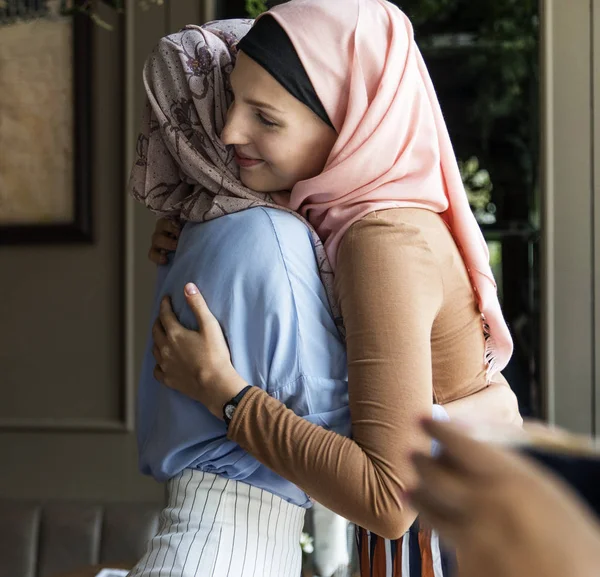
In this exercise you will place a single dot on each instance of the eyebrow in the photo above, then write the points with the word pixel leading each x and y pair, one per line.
pixel 257 103
pixel 260 104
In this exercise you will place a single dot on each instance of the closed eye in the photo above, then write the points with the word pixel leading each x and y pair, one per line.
pixel 264 120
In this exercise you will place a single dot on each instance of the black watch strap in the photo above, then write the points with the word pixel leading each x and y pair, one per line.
pixel 230 406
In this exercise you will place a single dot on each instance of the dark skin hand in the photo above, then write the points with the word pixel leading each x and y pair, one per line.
pixel 504 514
pixel 164 240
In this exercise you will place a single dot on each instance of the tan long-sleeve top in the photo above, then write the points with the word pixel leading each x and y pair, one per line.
pixel 414 336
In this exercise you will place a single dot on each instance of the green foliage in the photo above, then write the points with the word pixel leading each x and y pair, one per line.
pixel 493 47
pixel 255 7
pixel 426 11
pixel 478 186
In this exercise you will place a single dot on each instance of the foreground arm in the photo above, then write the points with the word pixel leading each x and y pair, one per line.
pixel 486 501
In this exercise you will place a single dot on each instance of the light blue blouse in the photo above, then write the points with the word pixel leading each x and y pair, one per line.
pixel 257 271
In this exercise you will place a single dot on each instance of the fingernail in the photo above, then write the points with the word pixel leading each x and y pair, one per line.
pixel 191 289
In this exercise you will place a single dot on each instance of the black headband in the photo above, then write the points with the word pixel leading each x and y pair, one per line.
pixel 269 46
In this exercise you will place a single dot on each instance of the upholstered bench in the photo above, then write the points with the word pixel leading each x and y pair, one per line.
pixel 47 539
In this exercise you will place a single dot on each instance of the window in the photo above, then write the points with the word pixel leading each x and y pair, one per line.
pixel 483 59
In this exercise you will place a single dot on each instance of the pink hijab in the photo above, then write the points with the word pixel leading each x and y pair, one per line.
pixel 393 148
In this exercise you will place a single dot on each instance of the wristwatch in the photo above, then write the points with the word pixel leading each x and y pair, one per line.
pixel 230 406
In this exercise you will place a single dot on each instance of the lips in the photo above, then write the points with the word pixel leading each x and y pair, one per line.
pixel 246 161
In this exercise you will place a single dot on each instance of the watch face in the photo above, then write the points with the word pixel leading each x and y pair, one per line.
pixel 229 410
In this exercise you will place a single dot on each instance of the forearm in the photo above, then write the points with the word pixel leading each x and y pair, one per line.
pixel 332 469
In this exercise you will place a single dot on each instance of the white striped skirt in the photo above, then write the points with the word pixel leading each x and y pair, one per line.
pixel 217 527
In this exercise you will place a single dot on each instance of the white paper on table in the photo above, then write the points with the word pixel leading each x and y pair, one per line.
pixel 113 573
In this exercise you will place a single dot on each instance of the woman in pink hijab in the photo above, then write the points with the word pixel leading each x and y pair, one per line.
pixel 333 103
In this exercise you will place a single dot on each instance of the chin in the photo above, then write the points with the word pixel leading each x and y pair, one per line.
pixel 258 182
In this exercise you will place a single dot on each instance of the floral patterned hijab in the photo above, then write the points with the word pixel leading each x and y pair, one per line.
pixel 182 169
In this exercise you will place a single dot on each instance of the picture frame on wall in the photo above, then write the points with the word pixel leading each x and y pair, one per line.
pixel 45 123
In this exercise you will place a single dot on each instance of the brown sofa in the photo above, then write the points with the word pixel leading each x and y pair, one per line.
pixel 46 539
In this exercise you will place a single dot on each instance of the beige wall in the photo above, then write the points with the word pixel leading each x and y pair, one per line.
pixel 570 90
pixel 69 350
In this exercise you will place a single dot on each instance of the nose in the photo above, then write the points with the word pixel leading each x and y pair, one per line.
pixel 233 132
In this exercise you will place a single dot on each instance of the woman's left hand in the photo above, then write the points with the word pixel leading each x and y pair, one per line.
pixel 195 363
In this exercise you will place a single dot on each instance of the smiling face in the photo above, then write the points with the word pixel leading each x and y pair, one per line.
pixel 278 140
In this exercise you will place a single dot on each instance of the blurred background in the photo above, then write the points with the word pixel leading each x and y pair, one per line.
pixel 519 84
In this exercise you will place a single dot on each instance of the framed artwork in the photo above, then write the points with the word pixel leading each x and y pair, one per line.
pixel 45 123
